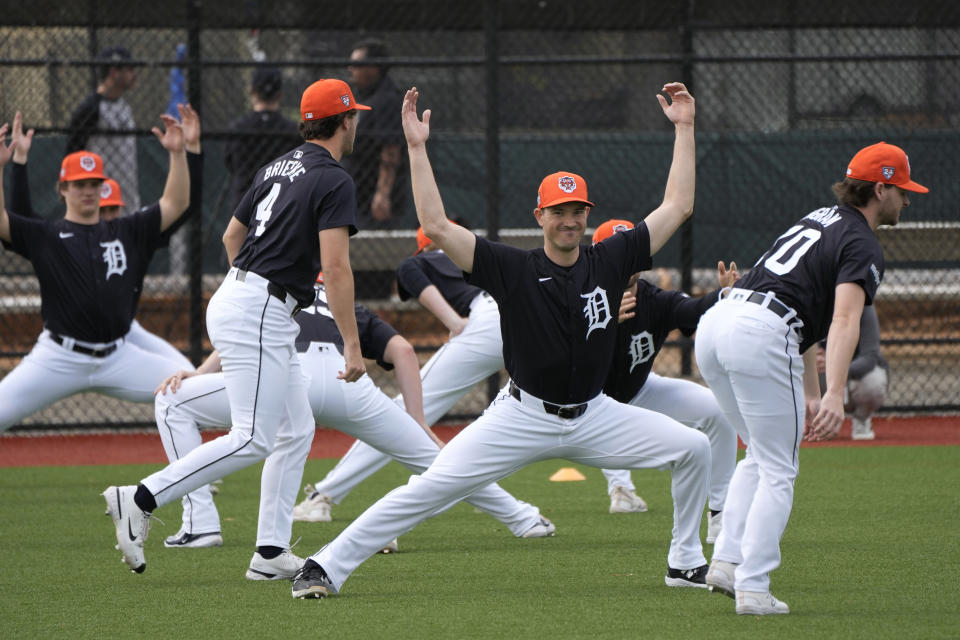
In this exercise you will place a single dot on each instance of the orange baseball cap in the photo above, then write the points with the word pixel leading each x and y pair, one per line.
pixel 422 241
pixel 561 187
pixel 110 194
pixel 609 228
pixel 81 165
pixel 325 98
pixel 886 163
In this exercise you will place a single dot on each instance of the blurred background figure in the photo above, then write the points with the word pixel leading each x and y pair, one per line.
pixel 106 110
pixel 261 135
pixel 379 162
pixel 868 377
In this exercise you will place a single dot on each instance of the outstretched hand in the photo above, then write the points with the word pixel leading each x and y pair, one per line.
pixel 416 130
pixel 190 123
pixel 680 109
pixel 172 136
pixel 726 277
pixel 20 142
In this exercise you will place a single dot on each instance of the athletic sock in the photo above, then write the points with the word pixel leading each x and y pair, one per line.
pixel 269 553
pixel 145 499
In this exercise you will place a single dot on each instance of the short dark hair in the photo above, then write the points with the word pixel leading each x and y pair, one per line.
pixel 375 49
pixel 324 128
pixel 267 82
pixel 111 57
pixel 853 192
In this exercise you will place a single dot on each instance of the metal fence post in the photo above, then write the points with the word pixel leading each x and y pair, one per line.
pixel 491 29
pixel 195 242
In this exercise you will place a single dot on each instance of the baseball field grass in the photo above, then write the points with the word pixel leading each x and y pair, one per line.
pixel 871 551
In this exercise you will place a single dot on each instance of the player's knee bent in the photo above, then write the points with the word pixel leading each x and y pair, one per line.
pixel 697 445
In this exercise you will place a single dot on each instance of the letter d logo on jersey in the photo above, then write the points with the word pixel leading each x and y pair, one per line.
pixel 115 257
pixel 596 310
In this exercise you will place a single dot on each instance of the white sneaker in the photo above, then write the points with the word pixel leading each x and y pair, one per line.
pixel 720 578
pixel 623 500
pixel 759 603
pixel 714 524
pixel 131 523
pixel 542 529
pixel 392 547
pixel 184 540
pixel 862 430
pixel 315 508
pixel 283 567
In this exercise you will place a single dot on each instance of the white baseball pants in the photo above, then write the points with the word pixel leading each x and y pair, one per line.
pixel 693 405
pixel 750 358
pixel 51 372
pixel 269 411
pixel 466 360
pixel 512 434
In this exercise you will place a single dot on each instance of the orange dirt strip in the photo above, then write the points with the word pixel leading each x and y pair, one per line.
pixel 134 448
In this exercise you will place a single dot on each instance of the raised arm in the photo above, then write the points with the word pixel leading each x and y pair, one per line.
pixel 176 193
pixel 678 196
pixel 190 123
pixel 457 242
pixel 6 152
pixel 21 142
pixel 338 278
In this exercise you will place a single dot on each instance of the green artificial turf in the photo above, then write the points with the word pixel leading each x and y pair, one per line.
pixel 870 552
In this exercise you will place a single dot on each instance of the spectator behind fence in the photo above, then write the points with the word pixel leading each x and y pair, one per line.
pixel 867 378
pixel 259 136
pixel 106 110
pixel 379 162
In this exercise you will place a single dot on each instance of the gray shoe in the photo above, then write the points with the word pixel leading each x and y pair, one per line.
pixel 623 500
pixel 184 540
pixel 542 529
pixel 312 581
pixel 720 578
pixel 759 603
pixel 283 567
pixel 314 508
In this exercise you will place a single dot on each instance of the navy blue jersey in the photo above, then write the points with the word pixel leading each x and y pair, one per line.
pixel 640 338
pixel 317 325
pixel 559 324
pixel 90 274
pixel 418 272
pixel 826 248
pixel 293 198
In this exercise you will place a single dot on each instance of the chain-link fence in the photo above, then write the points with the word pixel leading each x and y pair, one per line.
pixel 786 93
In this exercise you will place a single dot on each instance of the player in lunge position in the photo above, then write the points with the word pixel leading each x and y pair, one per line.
pixel 812 283
pixel 558 310
pixel 91 273
pixel 358 409
pixel 648 314
pixel 300 209
pixel 112 207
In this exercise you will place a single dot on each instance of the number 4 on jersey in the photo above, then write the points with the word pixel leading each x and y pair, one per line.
pixel 265 209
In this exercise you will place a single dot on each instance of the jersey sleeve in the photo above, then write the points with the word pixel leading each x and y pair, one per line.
pixel 375 333
pixel 495 268
pixel 338 207
pixel 411 278
pixel 19 201
pixel 146 228
pixel 630 249
pixel 26 234
pixel 861 262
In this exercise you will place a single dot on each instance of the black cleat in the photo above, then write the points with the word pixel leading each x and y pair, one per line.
pixel 687 577
pixel 312 582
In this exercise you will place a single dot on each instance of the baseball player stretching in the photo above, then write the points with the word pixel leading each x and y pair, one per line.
pixel 359 409
pixel 647 315
pixel 300 207
pixel 812 283
pixel 91 274
pixel 558 323
pixel 473 353
pixel 111 208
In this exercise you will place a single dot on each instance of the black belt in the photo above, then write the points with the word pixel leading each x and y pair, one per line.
pixel 79 348
pixel 565 412
pixel 774 305
pixel 275 290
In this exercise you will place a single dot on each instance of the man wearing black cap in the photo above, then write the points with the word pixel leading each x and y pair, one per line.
pixel 105 109
pixel 261 135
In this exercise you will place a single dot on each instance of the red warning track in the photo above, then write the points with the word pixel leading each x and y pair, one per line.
pixel 139 447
